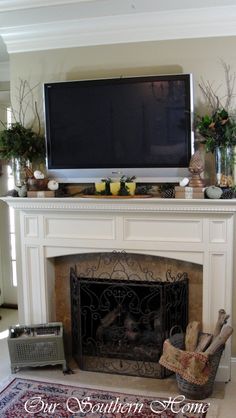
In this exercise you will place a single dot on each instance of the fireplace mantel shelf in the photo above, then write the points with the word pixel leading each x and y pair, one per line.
pixel 123 205
pixel 198 231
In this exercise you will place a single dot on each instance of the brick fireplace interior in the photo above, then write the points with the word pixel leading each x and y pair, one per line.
pixel 136 267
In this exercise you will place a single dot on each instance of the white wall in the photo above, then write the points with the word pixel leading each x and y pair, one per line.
pixel 8 293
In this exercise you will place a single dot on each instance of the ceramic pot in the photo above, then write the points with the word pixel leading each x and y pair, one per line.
pixel 130 187
pixel 115 188
pixel 100 187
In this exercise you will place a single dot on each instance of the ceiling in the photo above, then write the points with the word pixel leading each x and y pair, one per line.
pixel 27 25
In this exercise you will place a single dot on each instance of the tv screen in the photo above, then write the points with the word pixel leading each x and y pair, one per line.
pixel 99 127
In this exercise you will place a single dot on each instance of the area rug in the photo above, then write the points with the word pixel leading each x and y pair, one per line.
pixel 23 398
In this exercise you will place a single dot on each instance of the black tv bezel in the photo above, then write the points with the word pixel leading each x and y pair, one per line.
pixel 143 174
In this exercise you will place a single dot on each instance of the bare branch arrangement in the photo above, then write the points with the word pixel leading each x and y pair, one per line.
pixel 26 103
pixel 210 93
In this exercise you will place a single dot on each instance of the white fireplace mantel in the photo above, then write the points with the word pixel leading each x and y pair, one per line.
pixel 200 231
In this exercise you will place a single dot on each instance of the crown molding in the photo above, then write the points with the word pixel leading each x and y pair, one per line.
pixel 138 27
pixel 7 5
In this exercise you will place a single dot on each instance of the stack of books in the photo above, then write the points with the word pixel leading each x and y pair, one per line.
pixel 189 192
pixel 40 193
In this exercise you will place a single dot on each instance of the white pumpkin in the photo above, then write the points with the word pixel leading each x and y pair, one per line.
pixel 184 182
pixel 38 175
pixel 53 185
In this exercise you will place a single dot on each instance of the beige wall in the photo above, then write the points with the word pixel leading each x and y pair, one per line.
pixel 201 57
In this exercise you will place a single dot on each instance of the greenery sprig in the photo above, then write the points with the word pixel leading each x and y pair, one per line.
pixel 20 142
pixel 217 128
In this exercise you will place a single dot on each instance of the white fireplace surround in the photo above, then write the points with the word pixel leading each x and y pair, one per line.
pixel 200 231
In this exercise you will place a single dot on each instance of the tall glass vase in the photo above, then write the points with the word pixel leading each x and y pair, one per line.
pixel 19 170
pixel 224 163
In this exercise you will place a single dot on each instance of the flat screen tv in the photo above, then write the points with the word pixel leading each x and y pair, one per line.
pixel 138 126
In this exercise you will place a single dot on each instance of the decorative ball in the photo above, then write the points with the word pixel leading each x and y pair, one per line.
pixel 213 192
pixel 38 175
pixel 227 193
pixel 184 182
pixel 168 193
pixel 53 185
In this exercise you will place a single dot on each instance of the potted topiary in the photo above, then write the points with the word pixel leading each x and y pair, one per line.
pixel 115 187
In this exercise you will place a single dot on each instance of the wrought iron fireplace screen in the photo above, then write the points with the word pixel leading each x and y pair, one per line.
pixel 119 326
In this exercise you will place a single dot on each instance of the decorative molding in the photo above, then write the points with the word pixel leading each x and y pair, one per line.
pixel 121 28
pixel 133 205
pixel 6 5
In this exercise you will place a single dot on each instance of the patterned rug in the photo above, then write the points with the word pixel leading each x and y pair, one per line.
pixel 23 398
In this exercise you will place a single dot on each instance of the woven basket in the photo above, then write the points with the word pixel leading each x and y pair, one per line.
pixel 193 391
pixel 177 338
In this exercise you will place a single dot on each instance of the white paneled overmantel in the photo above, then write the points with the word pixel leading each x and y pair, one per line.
pixel 38 25
pixel 200 231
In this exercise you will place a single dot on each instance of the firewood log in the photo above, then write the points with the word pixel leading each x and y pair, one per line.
pixel 107 321
pixel 203 342
pixel 222 319
pixel 220 339
pixel 191 336
pixel 110 317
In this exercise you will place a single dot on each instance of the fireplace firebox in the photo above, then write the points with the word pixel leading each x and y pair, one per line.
pixel 119 325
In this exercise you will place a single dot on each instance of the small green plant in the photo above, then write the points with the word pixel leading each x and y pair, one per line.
pixel 127 179
pixel 107 181
pixel 124 190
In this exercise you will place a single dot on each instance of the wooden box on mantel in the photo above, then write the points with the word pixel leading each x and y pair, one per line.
pixel 189 192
